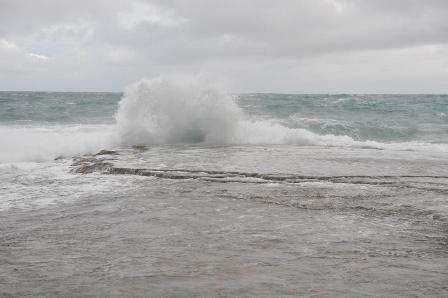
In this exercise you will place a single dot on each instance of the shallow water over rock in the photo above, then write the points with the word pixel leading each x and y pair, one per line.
pixel 236 221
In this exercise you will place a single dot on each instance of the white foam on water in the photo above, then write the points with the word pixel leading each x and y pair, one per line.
pixel 33 143
pixel 33 185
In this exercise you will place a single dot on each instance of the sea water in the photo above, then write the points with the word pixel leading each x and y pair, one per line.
pixel 355 180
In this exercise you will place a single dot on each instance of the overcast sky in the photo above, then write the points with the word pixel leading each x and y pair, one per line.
pixel 304 46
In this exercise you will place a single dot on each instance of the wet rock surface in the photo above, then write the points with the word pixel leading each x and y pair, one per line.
pixel 107 152
pixel 182 231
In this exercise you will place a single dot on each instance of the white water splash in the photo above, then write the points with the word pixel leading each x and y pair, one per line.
pixel 170 111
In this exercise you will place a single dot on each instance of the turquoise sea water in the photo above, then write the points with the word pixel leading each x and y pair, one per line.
pixel 362 117
pixel 52 108
pixel 382 118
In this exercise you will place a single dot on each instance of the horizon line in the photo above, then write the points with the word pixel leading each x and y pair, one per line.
pixel 252 92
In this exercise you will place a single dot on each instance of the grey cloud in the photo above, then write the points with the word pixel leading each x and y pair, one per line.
pixel 127 39
pixel 297 28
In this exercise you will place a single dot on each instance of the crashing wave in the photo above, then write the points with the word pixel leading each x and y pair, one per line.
pixel 170 111
pixel 161 111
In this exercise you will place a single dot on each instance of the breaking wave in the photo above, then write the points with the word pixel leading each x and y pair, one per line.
pixel 167 111
pixel 173 111
pixel 161 111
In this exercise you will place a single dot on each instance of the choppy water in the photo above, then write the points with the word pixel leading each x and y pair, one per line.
pixel 51 122
pixel 273 194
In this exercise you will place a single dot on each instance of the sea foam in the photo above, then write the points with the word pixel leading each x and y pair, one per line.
pixel 43 143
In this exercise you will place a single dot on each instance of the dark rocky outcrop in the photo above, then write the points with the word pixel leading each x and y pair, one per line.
pixel 107 152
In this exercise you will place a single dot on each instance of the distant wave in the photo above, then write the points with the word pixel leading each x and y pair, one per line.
pixel 359 130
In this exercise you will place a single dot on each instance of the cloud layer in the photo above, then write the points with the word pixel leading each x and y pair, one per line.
pixel 253 45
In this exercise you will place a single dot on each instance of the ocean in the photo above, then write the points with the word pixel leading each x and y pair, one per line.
pixel 183 189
